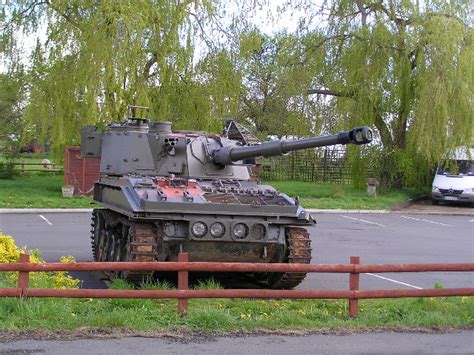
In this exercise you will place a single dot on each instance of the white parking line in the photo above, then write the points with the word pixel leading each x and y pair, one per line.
pixel 394 281
pixel 427 221
pixel 45 219
pixel 365 221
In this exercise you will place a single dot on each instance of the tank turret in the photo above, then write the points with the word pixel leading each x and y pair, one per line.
pixel 165 191
pixel 146 148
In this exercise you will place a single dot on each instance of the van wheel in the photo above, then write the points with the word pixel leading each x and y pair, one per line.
pixel 435 202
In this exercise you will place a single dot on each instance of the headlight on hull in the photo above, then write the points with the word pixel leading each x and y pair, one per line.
pixel 217 230
pixel 259 231
pixel 240 231
pixel 199 229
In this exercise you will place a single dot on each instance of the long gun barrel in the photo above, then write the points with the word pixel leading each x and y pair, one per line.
pixel 227 155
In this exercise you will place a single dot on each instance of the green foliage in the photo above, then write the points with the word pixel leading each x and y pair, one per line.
pixel 221 85
pixel 10 253
pixel 210 284
pixel 7 170
pixel 402 67
pixel 12 94
pixel 276 71
pixel 406 69
pixel 101 56
pixel 7 167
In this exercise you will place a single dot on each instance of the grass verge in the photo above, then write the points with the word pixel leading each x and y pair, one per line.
pixel 38 191
pixel 339 196
pixel 44 191
pixel 231 315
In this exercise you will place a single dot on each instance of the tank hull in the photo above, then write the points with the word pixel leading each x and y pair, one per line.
pixel 138 223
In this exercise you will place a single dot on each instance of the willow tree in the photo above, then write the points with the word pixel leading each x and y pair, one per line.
pixel 98 56
pixel 405 68
pixel 261 82
pixel 12 96
pixel 273 82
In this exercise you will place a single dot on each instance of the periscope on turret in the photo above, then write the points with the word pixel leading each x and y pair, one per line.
pixel 165 191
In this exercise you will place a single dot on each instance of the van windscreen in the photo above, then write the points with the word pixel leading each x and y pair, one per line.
pixel 456 167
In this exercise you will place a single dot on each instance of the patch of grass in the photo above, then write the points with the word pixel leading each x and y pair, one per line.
pixel 38 191
pixel 44 191
pixel 224 315
pixel 324 195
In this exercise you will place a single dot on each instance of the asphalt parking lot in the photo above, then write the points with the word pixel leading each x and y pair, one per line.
pixel 375 237
pixel 393 238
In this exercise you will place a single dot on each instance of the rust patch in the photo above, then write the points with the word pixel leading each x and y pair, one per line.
pixel 144 248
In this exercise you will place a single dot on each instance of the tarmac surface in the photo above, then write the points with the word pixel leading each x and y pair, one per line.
pixel 370 343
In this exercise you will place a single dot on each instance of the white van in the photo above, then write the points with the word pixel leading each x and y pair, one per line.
pixel 454 179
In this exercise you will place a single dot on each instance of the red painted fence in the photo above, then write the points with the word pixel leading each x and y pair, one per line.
pixel 183 293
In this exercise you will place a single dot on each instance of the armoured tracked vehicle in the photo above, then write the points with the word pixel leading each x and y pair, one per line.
pixel 167 191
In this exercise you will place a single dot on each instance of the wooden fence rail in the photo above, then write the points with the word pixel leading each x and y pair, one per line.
pixel 183 267
pixel 38 167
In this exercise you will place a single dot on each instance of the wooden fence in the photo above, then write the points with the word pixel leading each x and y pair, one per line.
pixel 24 267
pixel 38 167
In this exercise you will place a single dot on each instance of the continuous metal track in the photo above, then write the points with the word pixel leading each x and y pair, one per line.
pixel 115 238
pixel 299 251
pixel 142 246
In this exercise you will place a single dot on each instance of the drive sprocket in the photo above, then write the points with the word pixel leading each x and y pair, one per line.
pixel 299 251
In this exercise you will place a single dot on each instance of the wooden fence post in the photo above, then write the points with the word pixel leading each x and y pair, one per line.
pixel 354 286
pixel 24 276
pixel 183 285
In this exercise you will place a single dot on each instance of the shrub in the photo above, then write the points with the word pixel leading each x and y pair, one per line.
pixel 8 170
pixel 10 253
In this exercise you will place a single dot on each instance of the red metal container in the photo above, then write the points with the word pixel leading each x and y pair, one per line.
pixel 80 172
